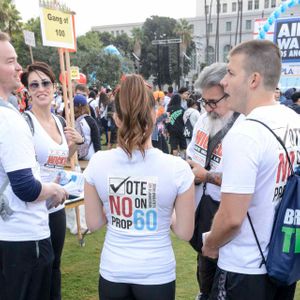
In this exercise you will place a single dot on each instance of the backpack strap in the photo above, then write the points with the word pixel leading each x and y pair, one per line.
pixel 62 120
pixel 28 119
pixel 279 140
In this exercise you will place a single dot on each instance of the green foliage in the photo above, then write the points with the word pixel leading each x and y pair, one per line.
pixel 90 57
pixel 10 19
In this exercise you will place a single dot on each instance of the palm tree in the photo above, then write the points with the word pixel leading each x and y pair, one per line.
pixel 185 31
pixel 137 35
pixel 10 19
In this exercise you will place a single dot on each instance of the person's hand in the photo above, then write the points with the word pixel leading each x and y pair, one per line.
pixel 59 195
pixel 72 135
pixel 208 251
pixel 199 172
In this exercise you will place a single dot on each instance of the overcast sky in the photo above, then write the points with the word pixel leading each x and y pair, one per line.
pixel 98 12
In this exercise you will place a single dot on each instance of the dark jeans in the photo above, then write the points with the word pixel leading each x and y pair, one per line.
pixel 57 224
pixel 235 286
pixel 206 270
pixel 124 291
pixel 25 270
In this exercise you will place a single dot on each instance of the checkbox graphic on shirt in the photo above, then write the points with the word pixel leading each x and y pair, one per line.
pixel 117 185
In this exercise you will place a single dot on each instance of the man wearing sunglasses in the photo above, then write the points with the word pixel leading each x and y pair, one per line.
pixel 25 246
pixel 208 127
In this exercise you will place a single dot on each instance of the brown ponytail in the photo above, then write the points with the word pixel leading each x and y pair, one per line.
pixel 134 107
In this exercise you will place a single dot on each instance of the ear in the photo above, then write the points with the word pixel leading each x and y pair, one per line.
pixel 255 80
pixel 117 120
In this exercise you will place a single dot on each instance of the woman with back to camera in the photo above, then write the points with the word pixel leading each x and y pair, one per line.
pixel 53 145
pixel 134 189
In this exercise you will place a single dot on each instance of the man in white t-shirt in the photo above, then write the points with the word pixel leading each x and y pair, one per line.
pixel 216 118
pixel 25 246
pixel 252 175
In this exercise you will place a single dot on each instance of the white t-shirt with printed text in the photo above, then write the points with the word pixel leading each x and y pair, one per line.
pixel 51 156
pixel 255 163
pixel 138 196
pixel 29 221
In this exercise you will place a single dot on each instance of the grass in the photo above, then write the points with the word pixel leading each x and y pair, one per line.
pixel 80 268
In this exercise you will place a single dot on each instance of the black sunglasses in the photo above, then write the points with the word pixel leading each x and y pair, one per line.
pixel 44 83
pixel 212 103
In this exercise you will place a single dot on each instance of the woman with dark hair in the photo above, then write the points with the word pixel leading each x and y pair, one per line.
pixel 176 126
pixel 135 189
pixel 53 145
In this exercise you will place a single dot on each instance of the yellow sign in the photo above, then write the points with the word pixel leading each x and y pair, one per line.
pixel 75 73
pixel 57 28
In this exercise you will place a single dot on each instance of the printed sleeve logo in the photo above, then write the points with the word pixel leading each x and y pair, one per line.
pixel 133 203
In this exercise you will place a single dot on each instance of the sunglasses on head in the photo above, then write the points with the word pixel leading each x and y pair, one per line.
pixel 44 83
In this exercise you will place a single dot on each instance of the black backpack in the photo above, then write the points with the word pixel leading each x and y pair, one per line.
pixel 188 129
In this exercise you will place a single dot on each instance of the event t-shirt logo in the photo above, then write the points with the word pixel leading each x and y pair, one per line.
pixel 133 203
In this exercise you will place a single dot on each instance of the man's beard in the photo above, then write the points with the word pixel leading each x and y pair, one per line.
pixel 215 122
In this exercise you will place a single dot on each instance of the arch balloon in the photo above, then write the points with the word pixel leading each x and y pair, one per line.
pixel 275 15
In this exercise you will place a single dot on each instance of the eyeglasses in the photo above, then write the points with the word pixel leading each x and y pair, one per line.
pixel 212 103
pixel 46 84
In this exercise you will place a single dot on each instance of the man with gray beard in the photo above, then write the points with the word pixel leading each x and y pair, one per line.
pixel 215 122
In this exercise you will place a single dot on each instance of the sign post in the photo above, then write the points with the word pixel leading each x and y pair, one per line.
pixel 30 41
pixel 58 30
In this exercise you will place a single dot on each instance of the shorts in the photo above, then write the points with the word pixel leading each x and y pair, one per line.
pixel 177 139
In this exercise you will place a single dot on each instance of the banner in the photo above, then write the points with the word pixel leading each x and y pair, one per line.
pixel 57 28
pixel 287 37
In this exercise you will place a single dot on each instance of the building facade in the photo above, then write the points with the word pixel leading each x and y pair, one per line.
pixel 216 29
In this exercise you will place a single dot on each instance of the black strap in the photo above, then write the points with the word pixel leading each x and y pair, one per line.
pixel 257 242
pixel 214 141
pixel 279 140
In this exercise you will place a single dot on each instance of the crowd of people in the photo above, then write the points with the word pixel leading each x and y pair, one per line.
pixel 164 156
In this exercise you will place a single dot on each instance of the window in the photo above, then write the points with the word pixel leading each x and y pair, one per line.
pixel 250 5
pixel 218 8
pixel 210 55
pixel 224 7
pixel 117 32
pixel 233 6
pixel 273 3
pixel 248 24
pixel 240 5
pixel 210 27
pixel 226 50
pixel 228 26
pixel 256 4
pixel 267 3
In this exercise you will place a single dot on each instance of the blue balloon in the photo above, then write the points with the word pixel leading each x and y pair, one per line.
pixel 266 27
pixel 283 8
pixel 111 49
pixel 291 3
pixel 271 20
pixel 262 35
pixel 276 14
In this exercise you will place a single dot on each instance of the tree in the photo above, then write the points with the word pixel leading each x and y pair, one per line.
pixel 137 38
pixel 185 31
pixel 155 60
pixel 10 19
